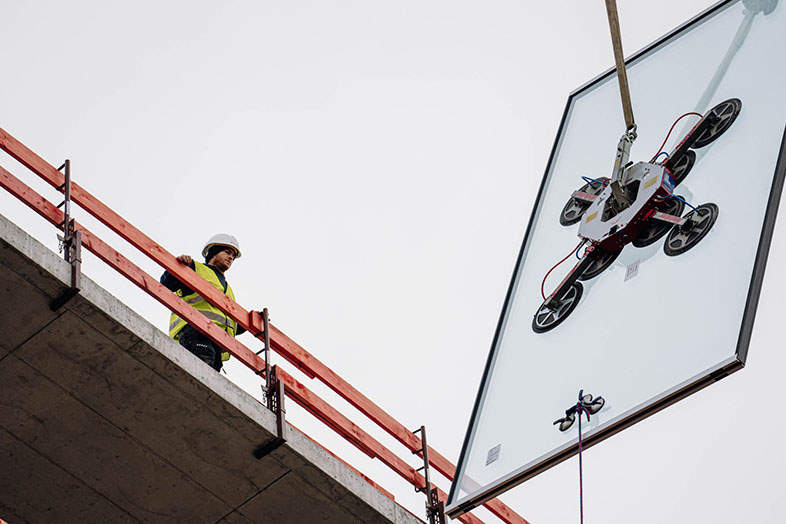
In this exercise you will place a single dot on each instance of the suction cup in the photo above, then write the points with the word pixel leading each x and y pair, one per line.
pixel 567 422
pixel 595 405
pixel 765 6
pixel 719 119
pixel 654 230
pixel 683 166
pixel 574 208
pixel 547 319
pixel 684 237
pixel 601 259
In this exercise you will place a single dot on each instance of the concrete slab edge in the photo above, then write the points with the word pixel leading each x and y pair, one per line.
pixel 321 461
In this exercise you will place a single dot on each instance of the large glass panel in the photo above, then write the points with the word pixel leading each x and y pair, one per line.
pixel 650 324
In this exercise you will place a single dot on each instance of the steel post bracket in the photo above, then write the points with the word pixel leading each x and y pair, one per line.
pixel 274 395
pixel 70 242
pixel 435 508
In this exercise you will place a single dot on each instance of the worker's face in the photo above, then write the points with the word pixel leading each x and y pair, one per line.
pixel 223 259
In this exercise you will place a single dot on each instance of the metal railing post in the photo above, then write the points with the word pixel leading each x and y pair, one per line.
pixel 435 508
pixel 274 394
pixel 70 242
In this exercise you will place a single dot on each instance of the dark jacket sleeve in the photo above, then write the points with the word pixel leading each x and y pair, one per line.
pixel 171 282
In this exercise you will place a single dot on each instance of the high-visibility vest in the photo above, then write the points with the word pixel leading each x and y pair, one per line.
pixel 218 317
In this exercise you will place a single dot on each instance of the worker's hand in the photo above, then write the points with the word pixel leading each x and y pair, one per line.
pixel 184 259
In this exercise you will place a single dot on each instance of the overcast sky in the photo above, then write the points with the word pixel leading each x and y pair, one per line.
pixel 378 162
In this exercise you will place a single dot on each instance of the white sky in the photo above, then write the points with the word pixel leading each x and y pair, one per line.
pixel 379 162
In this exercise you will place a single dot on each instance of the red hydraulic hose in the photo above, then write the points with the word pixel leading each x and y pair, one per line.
pixel 672 129
pixel 543 283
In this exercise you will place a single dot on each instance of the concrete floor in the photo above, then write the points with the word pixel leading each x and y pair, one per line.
pixel 104 419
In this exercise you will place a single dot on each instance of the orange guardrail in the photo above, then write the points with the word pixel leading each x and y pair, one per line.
pixel 250 320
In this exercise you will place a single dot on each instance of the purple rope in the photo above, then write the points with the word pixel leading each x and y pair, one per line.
pixel 579 410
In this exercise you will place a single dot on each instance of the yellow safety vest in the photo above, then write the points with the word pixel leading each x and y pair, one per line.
pixel 176 324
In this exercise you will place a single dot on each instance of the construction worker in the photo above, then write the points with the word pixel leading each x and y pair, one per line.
pixel 219 253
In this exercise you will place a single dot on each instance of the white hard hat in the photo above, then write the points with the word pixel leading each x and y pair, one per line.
pixel 222 239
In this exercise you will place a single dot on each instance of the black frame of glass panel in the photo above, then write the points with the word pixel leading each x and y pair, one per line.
pixel 456 508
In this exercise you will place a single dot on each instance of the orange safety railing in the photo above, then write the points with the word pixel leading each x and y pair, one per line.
pixel 250 320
